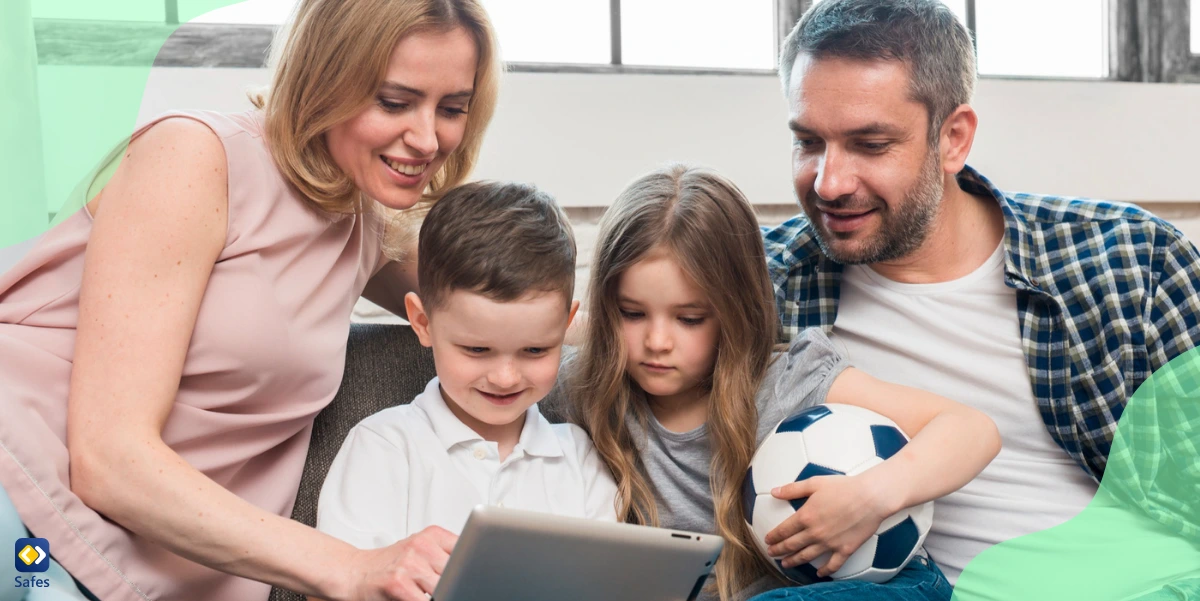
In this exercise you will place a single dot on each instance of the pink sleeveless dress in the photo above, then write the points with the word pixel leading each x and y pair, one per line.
pixel 266 356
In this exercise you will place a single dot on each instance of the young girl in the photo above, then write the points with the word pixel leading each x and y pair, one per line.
pixel 677 383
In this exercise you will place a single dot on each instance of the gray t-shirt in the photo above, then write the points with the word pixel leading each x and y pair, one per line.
pixel 677 463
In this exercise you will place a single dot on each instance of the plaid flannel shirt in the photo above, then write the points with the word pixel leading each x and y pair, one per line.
pixel 1106 295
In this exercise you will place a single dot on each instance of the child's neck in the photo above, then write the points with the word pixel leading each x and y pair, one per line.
pixel 506 436
pixel 681 412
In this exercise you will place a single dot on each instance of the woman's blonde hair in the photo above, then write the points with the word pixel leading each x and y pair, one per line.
pixel 708 227
pixel 328 61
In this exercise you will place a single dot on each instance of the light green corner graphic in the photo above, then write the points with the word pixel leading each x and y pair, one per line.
pixel 1139 539
pixel 60 121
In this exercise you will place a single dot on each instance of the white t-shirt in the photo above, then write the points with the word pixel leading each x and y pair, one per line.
pixel 416 465
pixel 961 340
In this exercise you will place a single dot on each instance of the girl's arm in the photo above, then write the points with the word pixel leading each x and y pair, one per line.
pixel 159 229
pixel 950 444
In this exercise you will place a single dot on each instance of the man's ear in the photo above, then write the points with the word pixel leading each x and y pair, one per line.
pixel 957 136
pixel 418 318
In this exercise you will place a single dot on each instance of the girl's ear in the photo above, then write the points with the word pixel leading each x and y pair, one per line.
pixel 418 318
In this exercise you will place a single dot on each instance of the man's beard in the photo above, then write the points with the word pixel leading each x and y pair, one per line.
pixel 903 229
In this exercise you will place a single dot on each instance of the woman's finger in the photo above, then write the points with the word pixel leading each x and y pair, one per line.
pixel 442 537
pixel 430 548
pixel 426 579
pixel 405 589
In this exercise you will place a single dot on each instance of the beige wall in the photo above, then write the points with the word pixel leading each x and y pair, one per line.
pixel 584 136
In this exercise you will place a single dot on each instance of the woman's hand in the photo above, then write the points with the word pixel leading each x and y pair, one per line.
pixel 407 570
pixel 841 513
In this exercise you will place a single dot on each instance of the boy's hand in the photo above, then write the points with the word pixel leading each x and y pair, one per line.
pixel 841 513
pixel 407 570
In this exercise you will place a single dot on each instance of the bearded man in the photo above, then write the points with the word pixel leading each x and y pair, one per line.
pixel 1047 313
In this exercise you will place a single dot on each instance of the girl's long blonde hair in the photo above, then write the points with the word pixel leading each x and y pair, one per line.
pixel 328 61
pixel 707 225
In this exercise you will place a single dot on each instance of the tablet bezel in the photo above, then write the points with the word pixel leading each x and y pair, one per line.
pixel 544 557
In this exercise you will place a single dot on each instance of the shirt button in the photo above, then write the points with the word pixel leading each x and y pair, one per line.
pixel 479 453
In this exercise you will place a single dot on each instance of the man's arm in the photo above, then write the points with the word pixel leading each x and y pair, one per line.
pixel 1173 313
pixel 1154 462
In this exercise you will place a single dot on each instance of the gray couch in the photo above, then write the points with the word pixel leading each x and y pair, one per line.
pixel 385 366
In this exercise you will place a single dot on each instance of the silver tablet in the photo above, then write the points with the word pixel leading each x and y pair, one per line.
pixel 510 555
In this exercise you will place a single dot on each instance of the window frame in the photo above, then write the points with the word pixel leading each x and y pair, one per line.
pixel 1149 41
pixel 198 32
pixel 1153 41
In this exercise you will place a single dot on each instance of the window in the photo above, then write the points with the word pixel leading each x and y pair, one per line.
pixel 1194 19
pixel 714 34
pixel 552 31
pixel 1039 38
pixel 127 10
pixel 249 12
pixel 698 33
pixel 661 33
pixel 1021 38
pixel 1042 38
pixel 959 7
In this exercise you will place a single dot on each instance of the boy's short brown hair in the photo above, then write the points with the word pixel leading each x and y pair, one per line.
pixel 501 240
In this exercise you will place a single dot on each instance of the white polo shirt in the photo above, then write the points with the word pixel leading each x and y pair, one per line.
pixel 417 465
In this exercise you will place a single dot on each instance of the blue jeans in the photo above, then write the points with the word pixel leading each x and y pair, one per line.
pixel 920 580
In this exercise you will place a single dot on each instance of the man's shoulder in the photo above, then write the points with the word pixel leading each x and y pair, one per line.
pixel 1042 210
pixel 788 244
pixel 1058 223
pixel 796 231
pixel 1063 221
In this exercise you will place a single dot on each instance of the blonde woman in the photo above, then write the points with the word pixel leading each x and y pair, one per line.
pixel 164 350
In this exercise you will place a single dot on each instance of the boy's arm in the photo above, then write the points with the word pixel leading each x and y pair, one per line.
pixel 951 443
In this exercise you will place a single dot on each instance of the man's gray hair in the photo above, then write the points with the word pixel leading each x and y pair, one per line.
pixel 923 34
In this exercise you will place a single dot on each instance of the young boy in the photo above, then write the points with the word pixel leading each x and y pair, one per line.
pixel 496 266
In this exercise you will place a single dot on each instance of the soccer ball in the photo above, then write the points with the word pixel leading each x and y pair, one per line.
pixel 830 440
